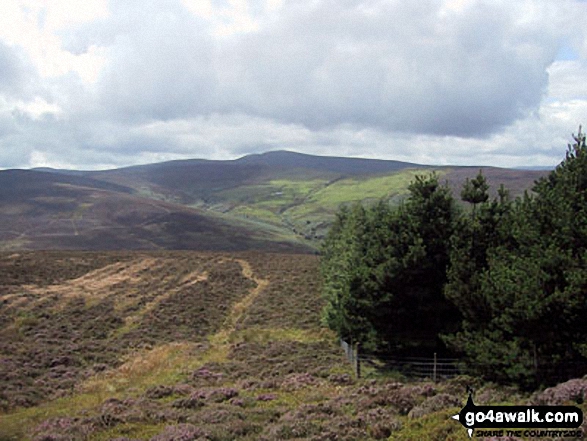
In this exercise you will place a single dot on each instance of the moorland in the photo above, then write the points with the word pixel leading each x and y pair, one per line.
pixel 183 345
pixel 183 301
pixel 276 201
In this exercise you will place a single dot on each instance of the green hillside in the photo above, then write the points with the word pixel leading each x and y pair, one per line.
pixel 277 201
pixel 294 193
pixel 308 206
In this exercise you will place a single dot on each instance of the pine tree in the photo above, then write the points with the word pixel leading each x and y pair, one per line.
pixel 475 190
pixel 523 297
pixel 344 273
pixel 384 270
pixel 475 236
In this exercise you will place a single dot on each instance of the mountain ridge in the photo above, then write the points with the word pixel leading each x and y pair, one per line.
pixel 274 201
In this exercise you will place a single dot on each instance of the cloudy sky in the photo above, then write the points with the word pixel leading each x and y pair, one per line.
pixel 99 84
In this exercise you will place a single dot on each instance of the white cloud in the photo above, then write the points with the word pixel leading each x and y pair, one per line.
pixel 434 81
pixel 567 80
pixel 38 108
pixel 34 26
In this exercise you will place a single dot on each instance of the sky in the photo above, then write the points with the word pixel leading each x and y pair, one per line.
pixel 101 84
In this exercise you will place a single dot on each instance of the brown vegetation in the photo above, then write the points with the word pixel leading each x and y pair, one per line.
pixel 195 346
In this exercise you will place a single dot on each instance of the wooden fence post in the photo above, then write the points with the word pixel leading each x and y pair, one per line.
pixel 357 361
pixel 434 369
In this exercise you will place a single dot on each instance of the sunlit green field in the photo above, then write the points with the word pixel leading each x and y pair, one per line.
pixel 309 206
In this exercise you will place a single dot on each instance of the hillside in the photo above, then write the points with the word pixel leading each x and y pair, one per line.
pixel 296 193
pixel 275 201
pixel 164 346
pixel 114 344
pixel 40 210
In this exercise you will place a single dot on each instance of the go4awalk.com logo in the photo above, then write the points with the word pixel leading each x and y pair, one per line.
pixel 527 421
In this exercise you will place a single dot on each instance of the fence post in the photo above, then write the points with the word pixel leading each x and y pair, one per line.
pixel 434 369
pixel 357 361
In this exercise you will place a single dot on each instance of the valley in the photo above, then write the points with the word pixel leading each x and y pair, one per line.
pixel 276 202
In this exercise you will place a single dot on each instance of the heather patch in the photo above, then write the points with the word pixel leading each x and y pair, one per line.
pixel 434 404
pixel 181 432
pixel 204 346
pixel 570 392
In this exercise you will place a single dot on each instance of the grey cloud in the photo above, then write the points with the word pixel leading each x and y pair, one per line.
pixel 161 64
pixel 16 76
pixel 395 66
pixel 7 124
pixel 389 65
pixel 315 76
pixel 160 61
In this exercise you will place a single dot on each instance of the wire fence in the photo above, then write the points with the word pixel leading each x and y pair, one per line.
pixel 434 368
pixel 352 355
pixel 437 368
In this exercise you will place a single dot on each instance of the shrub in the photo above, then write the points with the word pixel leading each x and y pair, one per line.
pixel 159 391
pixel 181 432
pixel 298 381
pixel 194 401
pixel 61 429
pixel 570 391
pixel 206 374
pixel 434 404
pixel 341 379
pixel 222 394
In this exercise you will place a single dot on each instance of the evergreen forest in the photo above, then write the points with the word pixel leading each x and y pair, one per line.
pixel 501 283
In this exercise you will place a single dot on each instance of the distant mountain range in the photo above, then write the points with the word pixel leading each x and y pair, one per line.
pixel 277 201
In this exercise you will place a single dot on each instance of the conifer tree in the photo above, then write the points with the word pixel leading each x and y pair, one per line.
pixel 475 190
pixel 384 270
pixel 524 302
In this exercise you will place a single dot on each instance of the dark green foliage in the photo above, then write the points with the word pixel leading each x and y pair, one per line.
pixel 476 234
pixel 475 190
pixel 346 277
pixel 384 270
pixel 418 311
pixel 513 273
pixel 518 275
